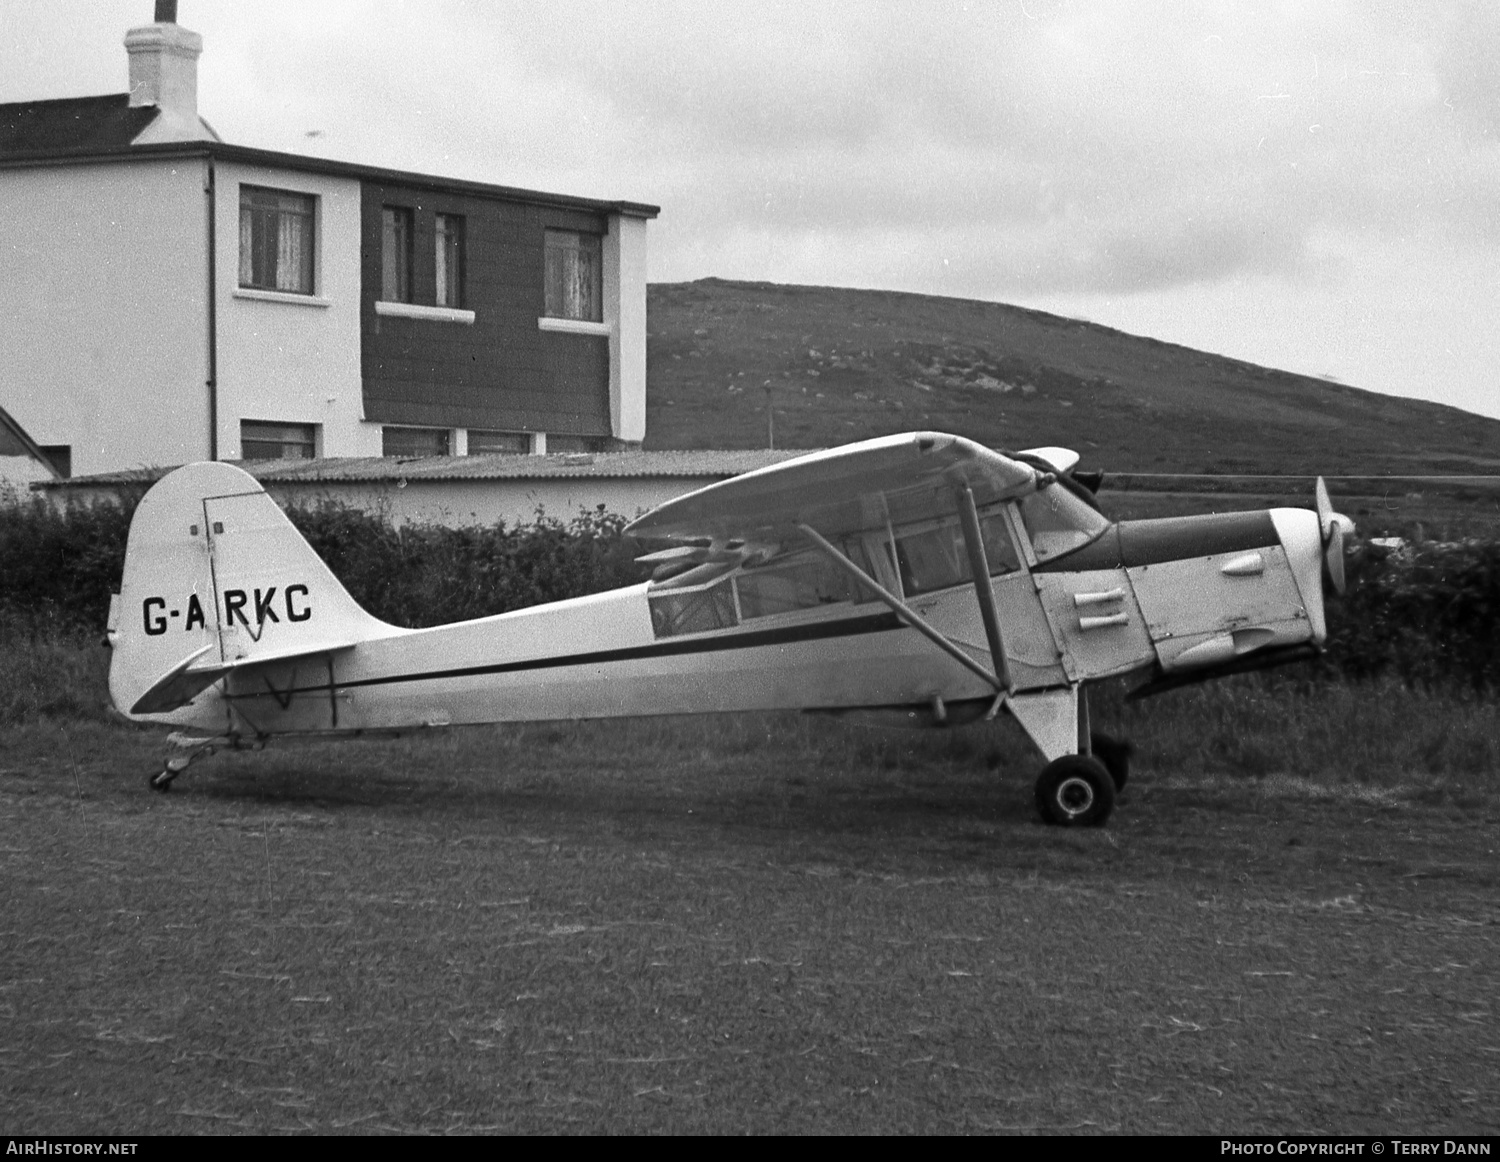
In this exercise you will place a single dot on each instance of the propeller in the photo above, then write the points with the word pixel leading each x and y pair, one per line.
pixel 1332 525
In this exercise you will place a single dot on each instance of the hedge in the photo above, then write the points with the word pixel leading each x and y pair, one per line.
pixel 1426 613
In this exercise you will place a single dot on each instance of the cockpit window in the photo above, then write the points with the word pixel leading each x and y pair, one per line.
pixel 931 559
pixel 935 557
pixel 693 610
pixel 1058 522
pixel 804 581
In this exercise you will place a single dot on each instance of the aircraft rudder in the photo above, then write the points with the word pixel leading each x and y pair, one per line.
pixel 212 561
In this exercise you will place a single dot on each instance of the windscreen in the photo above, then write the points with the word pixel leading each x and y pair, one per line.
pixel 1058 522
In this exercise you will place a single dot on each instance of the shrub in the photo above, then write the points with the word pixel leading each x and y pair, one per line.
pixel 420 575
pixel 1428 614
pixel 60 567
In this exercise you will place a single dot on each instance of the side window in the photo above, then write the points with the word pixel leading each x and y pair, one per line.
pixel 931 559
pixel 263 440
pixel 935 558
pixel 999 549
pixel 450 260
pixel 411 443
pixel 574 276
pixel 693 610
pixel 804 582
pixel 276 240
pixel 484 443
pixel 395 254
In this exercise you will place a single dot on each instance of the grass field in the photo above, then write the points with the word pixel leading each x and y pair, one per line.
pixel 760 923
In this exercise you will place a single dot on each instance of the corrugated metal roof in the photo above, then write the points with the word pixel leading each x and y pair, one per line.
pixel 706 463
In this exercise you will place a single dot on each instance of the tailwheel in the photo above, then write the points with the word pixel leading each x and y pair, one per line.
pixel 162 780
pixel 1115 754
pixel 1075 791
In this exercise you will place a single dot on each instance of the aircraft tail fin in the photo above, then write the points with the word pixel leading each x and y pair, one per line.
pixel 217 578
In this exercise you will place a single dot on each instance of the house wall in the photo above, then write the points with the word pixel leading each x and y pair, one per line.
pixel 103 310
pixel 501 371
pixel 293 358
pixel 625 306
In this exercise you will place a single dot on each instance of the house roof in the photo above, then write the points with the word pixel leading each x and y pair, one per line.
pixel 15 441
pixel 707 464
pixel 72 124
pixel 100 129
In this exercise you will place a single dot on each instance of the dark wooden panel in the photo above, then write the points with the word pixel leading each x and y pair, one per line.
pixel 502 372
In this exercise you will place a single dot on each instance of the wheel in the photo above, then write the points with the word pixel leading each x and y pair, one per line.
pixel 1075 791
pixel 1115 754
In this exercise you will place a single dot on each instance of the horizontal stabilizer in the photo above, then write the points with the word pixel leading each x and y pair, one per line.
pixel 190 677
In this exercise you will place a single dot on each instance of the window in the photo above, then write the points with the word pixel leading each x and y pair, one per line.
pixel 931 559
pixel 558 444
pixel 574 276
pixel 1058 522
pixel 409 443
pixel 693 610
pixel 260 440
pixel 489 443
pixel 935 557
pixel 276 240
pixel 805 581
pixel 450 260
pixel 395 254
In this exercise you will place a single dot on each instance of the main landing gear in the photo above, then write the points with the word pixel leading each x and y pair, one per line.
pixel 1086 769
pixel 1079 790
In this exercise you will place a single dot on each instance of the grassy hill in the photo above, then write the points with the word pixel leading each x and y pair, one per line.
pixel 847 364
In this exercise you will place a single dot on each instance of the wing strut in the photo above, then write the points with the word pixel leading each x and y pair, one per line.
pixel 905 612
pixel 979 568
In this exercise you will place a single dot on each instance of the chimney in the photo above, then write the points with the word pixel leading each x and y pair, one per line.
pixel 164 65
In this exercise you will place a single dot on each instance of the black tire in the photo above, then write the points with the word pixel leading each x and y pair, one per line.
pixel 1075 791
pixel 1115 754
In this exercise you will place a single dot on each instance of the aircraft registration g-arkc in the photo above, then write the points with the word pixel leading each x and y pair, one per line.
pixel 920 575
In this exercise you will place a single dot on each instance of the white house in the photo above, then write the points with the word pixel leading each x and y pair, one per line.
pixel 170 297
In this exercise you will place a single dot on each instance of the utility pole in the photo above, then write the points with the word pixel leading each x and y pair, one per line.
pixel 770 420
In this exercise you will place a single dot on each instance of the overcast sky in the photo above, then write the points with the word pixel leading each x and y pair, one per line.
pixel 1313 186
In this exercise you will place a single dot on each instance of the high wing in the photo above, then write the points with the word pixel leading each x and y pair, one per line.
pixel 844 490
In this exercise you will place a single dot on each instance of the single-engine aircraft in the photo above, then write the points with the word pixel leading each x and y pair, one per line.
pixel 920 575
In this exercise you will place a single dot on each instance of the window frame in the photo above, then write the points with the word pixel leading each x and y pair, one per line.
pixel 557 303
pixel 311 431
pixel 260 247
pixel 529 438
pixel 450 260
pixel 386 430
pixel 397 229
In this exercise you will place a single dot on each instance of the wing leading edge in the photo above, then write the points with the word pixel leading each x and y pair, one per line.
pixel 842 490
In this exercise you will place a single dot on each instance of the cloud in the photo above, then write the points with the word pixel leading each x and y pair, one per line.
pixel 1022 147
